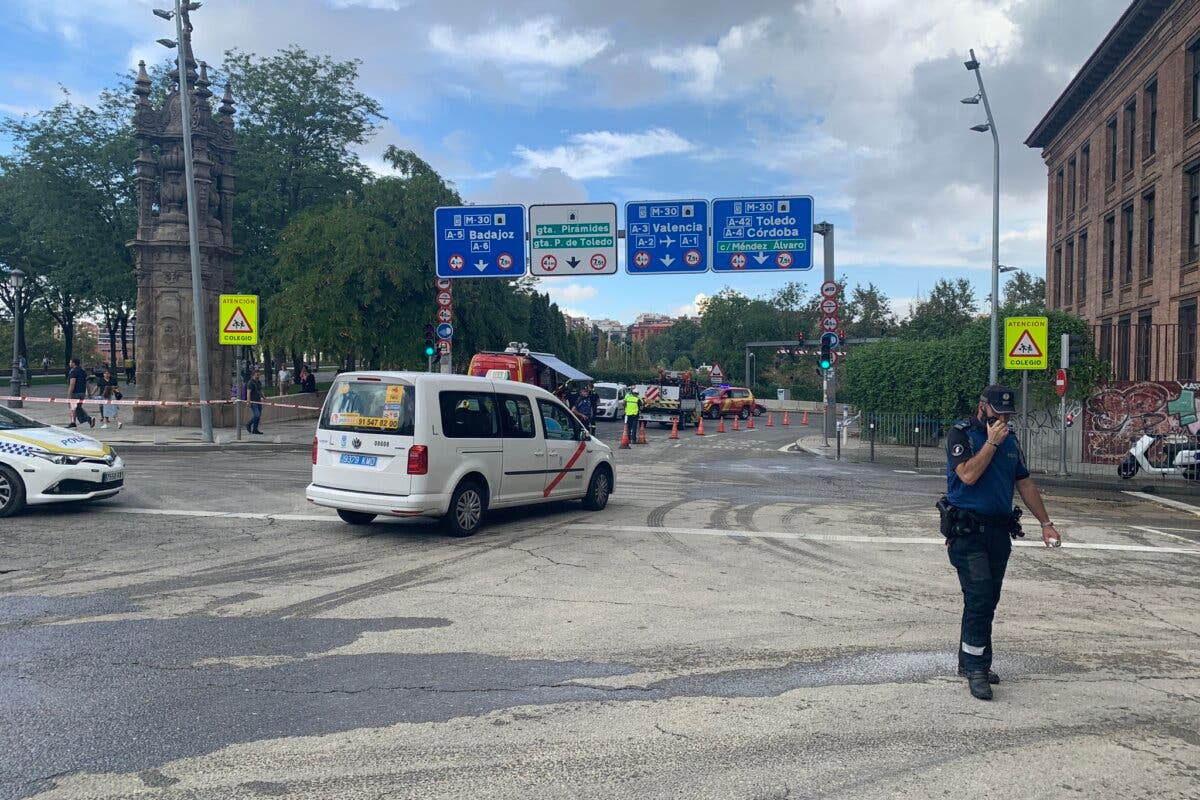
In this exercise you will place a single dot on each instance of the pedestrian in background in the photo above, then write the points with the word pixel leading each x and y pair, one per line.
pixel 23 366
pixel 285 380
pixel 585 408
pixel 308 381
pixel 983 466
pixel 45 365
pixel 254 391
pixel 77 380
pixel 110 390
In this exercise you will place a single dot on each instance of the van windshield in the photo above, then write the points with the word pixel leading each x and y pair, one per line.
pixel 606 392
pixel 369 407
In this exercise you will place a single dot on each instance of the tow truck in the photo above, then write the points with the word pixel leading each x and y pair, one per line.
pixel 673 395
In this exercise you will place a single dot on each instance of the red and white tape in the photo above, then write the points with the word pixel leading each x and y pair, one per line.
pixel 150 403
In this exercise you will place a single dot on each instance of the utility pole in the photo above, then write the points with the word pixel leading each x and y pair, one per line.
pixel 825 230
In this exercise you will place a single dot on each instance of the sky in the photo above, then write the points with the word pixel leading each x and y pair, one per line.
pixel 853 102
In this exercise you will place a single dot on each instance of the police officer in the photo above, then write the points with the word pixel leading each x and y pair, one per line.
pixel 983 465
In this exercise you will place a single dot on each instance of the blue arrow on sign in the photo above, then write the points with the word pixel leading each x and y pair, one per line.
pixel 445 331
pixel 757 234
pixel 479 241
pixel 666 237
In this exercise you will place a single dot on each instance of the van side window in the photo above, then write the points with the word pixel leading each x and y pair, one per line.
pixel 516 416
pixel 558 422
pixel 469 415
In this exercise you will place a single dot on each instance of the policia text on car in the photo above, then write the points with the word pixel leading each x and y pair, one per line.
pixel 983 466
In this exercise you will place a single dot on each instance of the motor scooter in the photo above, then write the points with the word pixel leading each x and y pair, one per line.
pixel 1179 455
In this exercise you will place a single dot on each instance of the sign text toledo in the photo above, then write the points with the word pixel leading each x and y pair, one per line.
pixel 480 241
pixel 762 233
pixel 666 237
pixel 578 239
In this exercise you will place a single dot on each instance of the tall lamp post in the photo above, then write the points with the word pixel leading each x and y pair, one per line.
pixel 990 125
pixel 16 279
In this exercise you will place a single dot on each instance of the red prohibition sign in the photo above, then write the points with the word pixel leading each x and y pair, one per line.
pixel 443 283
pixel 738 260
pixel 445 315
pixel 784 259
pixel 549 263
pixel 692 258
pixel 598 261
pixel 443 299
pixel 505 261
pixel 457 262
pixel 641 259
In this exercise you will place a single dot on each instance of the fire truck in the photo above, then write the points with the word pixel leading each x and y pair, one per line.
pixel 518 363
pixel 673 395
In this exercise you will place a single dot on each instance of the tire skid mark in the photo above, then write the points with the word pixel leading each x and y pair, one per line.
pixel 658 517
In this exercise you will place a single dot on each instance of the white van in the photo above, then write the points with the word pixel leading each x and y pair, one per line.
pixel 610 402
pixel 415 444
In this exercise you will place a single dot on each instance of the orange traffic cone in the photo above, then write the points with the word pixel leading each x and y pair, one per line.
pixel 770 420
pixel 700 427
pixel 786 419
pixel 674 428
pixel 804 419
pixel 750 423
pixel 721 425
pixel 736 427
pixel 624 438
pixel 642 434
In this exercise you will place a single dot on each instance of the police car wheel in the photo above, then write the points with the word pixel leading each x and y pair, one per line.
pixel 355 517
pixel 12 492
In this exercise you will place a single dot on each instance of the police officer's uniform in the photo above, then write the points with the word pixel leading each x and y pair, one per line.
pixel 980 553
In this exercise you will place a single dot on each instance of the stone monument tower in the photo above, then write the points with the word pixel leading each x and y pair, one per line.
pixel 166 368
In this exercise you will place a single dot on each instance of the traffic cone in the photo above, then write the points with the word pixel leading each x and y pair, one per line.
pixel 642 434
pixel 786 419
pixel 700 427
pixel 674 428
pixel 624 438
pixel 736 427
pixel 750 423
pixel 721 425
pixel 804 419
pixel 770 420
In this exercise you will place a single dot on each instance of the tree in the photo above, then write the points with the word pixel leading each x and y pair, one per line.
pixel 1023 290
pixel 868 313
pixel 947 311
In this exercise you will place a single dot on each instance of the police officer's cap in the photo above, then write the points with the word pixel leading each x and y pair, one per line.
pixel 1001 398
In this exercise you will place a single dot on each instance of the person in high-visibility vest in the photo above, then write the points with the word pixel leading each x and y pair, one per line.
pixel 633 410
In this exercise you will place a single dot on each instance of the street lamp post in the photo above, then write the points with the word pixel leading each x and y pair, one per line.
pixel 990 125
pixel 16 279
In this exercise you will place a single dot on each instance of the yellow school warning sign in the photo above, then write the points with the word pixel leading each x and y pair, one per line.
pixel 1025 341
pixel 238 320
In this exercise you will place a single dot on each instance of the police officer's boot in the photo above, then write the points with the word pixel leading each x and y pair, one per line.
pixel 993 678
pixel 977 680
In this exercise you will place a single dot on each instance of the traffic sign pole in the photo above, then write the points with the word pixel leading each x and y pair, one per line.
pixel 825 229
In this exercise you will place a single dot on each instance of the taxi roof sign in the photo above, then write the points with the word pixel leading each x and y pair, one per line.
pixel 1025 342
pixel 238 319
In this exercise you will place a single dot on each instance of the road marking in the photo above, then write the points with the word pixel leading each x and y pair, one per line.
pixel 884 540
pixel 181 512
pixel 906 471
pixel 1161 532
pixel 1163 501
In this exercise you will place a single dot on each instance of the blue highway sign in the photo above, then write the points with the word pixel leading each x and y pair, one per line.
pixel 666 237
pixel 762 234
pixel 480 241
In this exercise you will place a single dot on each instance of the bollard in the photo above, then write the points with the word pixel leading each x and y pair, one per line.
pixel 839 444
pixel 872 442
pixel 916 447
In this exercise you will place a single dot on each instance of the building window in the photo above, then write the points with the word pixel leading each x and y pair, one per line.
pixel 1058 198
pixel 1145 336
pixel 1071 186
pixel 1106 342
pixel 1194 57
pixel 1152 118
pixel 1081 269
pixel 1069 274
pixel 1057 279
pixel 1148 211
pixel 1130 134
pixel 1110 140
pixel 1123 331
pixel 1110 251
pixel 1085 171
pixel 1193 211
pixel 1127 245
pixel 1186 368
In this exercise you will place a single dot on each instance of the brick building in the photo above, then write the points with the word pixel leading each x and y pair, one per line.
pixel 1122 150
pixel 647 325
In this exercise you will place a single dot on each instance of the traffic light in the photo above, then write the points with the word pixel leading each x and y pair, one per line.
pixel 826 354
pixel 1075 350
pixel 430 343
pixel 800 338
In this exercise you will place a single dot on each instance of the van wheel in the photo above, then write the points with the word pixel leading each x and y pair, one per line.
pixel 598 491
pixel 356 517
pixel 466 510
pixel 12 492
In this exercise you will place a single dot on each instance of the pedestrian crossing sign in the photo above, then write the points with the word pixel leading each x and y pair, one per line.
pixel 1025 340
pixel 238 319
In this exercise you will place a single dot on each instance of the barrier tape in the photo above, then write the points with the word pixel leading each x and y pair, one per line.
pixel 150 403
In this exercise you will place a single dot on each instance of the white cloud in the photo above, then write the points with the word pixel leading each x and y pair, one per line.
pixel 602 154
pixel 700 65
pixel 540 186
pixel 568 292
pixel 691 309
pixel 536 42
pixel 380 5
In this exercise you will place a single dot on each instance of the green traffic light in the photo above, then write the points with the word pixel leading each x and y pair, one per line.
pixel 825 363
pixel 428 351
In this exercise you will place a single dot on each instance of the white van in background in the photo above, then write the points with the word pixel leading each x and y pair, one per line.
pixel 416 444
pixel 610 402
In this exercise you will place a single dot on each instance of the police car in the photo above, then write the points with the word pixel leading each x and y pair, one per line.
pixel 42 464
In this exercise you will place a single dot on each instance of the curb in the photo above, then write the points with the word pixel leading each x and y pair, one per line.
pixel 205 447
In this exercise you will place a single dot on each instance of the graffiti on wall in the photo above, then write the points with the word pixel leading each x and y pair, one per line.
pixel 1121 411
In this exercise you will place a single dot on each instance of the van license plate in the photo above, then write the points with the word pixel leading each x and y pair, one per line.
pixel 359 461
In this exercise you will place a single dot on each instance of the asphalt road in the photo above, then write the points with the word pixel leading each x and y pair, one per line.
pixel 741 622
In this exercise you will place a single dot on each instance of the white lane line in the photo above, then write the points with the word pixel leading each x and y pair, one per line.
pixel 1162 532
pixel 883 540
pixel 1165 501
pixel 905 471
pixel 182 512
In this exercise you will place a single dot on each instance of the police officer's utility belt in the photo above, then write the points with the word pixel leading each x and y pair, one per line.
pixel 964 522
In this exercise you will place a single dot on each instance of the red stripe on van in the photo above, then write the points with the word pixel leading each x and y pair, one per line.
pixel 563 473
